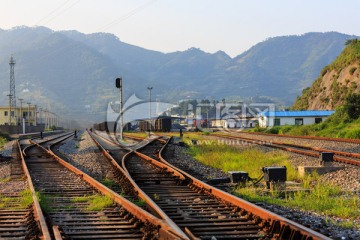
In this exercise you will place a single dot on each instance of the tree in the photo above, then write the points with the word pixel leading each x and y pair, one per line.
pixel 352 105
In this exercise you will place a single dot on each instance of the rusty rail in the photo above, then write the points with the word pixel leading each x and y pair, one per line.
pixel 36 205
pixel 308 151
pixel 170 225
pixel 348 140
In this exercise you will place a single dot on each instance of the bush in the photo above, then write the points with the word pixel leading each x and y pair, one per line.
pixel 273 130
pixel 353 133
pixel 285 129
pixel 352 70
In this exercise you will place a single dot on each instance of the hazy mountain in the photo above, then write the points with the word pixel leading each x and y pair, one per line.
pixel 75 72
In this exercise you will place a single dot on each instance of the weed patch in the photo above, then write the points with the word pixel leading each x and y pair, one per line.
pixel 95 202
pixel 251 160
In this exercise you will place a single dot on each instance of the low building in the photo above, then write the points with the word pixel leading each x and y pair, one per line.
pixel 282 118
pixel 27 113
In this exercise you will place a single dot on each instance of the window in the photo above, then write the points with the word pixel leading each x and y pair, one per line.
pixel 12 113
pixel 318 120
pixel 299 121
pixel 277 122
pixel 5 113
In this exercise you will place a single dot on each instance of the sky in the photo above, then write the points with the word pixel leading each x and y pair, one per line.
pixel 232 26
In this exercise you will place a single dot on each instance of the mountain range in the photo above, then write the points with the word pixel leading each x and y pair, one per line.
pixel 74 73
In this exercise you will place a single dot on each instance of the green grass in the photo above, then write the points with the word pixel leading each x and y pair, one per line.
pixel 95 202
pixel 251 159
pixel 5 201
pixel 24 201
pixel 45 201
pixel 323 198
pixel 108 183
pixel 7 179
pixel 140 202
pixel 26 198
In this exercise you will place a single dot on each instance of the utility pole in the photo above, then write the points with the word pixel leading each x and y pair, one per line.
pixel 40 116
pixel 10 96
pixel 35 112
pixel 21 115
pixel 12 86
pixel 28 114
pixel 118 83
pixel 149 88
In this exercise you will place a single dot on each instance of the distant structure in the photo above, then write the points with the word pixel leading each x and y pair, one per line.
pixel 12 84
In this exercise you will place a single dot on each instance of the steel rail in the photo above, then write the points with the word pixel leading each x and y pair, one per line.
pixel 170 225
pixel 348 140
pixel 279 224
pixel 36 205
pixel 59 170
pixel 67 135
pixel 296 148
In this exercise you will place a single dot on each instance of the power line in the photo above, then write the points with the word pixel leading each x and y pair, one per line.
pixel 59 13
pixel 126 16
pixel 55 10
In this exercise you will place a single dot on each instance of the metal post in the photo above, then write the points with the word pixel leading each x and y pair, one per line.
pixel 28 114
pixel 149 88
pixel 121 111
pixel 40 115
pixel 21 115
pixel 35 112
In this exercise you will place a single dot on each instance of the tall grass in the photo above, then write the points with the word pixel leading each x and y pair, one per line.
pixel 95 202
pixel 251 160
pixel 323 198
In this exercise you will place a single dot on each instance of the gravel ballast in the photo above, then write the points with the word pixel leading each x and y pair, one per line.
pixel 85 155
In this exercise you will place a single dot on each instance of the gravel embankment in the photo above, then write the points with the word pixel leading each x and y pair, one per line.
pixel 5 153
pixel 348 179
pixel 7 149
pixel 6 185
pixel 4 169
pixel 85 155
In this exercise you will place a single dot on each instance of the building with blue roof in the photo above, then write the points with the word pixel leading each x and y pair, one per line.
pixel 281 118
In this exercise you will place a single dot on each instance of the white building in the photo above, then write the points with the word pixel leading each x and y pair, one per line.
pixel 281 118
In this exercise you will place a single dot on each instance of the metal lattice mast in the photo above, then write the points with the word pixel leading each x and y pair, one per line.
pixel 12 84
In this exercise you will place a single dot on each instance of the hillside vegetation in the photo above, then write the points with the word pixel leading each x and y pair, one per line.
pixel 336 81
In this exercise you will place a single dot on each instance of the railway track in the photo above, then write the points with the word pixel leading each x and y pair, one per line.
pixel 202 211
pixel 347 140
pixel 20 213
pixel 70 200
pixel 339 156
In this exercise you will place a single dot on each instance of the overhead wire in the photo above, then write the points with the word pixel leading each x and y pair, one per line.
pixel 126 16
pixel 64 10
pixel 52 12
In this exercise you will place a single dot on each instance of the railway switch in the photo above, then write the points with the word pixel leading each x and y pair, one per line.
pixel 238 176
pixel 274 176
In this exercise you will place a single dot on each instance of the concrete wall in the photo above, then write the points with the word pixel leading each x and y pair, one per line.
pixel 18 129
